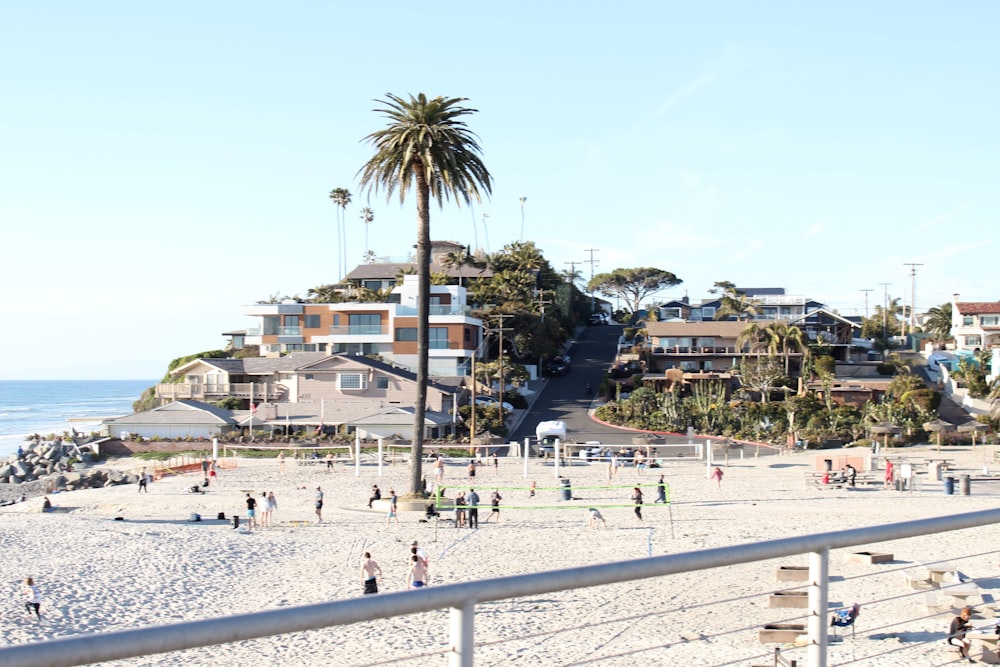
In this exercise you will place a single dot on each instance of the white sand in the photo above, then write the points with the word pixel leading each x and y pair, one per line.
pixel 97 574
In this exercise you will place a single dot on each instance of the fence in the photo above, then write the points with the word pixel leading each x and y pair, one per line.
pixel 461 599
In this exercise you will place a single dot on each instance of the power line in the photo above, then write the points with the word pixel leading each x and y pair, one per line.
pixel 913 298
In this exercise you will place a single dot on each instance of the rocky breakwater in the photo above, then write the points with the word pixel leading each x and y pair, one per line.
pixel 49 466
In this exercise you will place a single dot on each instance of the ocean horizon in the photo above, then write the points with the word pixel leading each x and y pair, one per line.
pixel 52 407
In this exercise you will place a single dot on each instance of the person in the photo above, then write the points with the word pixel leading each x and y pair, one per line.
pixel 20 452
pixel 496 463
pixel 319 505
pixel 531 493
pixel 888 475
pixel 370 574
pixel 473 509
pixel 472 471
pixel 637 499
pixel 376 495
pixel 281 462
pixel 852 474
pixel 204 467
pixel 439 469
pixel 46 504
pixel 265 510
pixel 272 504
pixel 595 516
pixel 32 598
pixel 142 481
pixel 661 491
pixel 959 626
pixel 460 509
pixel 213 474
pixel 494 506
pixel 391 516
pixel 640 463
pixel 417 576
pixel 421 554
pixel 329 461
pixel 717 476
pixel 251 512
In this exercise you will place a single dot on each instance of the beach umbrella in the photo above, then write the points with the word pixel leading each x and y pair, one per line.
pixel 973 427
pixel 938 426
pixel 886 430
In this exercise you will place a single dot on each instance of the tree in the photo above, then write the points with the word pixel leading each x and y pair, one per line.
pixel 783 339
pixel 367 217
pixel 761 374
pixel 938 323
pixel 341 197
pixel 426 145
pixel 633 285
pixel 733 302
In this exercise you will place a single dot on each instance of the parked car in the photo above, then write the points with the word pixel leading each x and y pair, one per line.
pixel 598 319
pixel 489 401
pixel 558 365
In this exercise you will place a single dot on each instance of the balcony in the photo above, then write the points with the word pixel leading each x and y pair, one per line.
pixel 678 350
pixel 215 391
pixel 359 330
pixel 448 309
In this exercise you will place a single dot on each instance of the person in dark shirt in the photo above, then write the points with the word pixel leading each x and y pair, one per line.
pixel 959 626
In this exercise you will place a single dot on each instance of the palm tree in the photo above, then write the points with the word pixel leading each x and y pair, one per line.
pixel 938 322
pixel 341 197
pixel 752 336
pixel 783 339
pixel 733 302
pixel 427 146
pixel 367 217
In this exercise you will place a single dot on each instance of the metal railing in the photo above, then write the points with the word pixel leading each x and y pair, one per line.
pixel 198 390
pixel 461 599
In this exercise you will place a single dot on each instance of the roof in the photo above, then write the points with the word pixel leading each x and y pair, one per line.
pixel 257 365
pixel 379 365
pixel 723 328
pixel 179 412
pixel 389 271
pixel 812 314
pixel 401 415
pixel 978 307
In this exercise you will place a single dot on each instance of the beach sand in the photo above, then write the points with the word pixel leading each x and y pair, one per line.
pixel 98 575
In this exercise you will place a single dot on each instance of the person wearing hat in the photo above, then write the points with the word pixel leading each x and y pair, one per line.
pixel 319 505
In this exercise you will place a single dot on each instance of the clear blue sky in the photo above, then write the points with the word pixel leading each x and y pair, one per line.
pixel 163 164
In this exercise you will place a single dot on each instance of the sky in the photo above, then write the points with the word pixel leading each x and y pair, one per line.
pixel 165 164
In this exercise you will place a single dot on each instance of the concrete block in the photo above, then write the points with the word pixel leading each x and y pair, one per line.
pixel 789 599
pixel 870 558
pixel 793 573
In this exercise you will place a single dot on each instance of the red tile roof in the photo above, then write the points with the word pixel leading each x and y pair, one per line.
pixel 978 307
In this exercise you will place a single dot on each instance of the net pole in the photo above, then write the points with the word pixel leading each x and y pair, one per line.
pixel 557 458
pixel 526 457
pixel 380 456
pixel 357 453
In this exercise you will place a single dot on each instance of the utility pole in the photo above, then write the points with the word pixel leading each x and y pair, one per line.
pixel 541 324
pixel 592 262
pixel 866 300
pixel 572 271
pixel 913 294
pixel 500 329
pixel 885 309
pixel 486 232
pixel 523 199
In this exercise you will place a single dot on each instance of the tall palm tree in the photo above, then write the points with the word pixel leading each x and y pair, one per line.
pixel 734 302
pixel 341 197
pixel 367 217
pixel 426 145
pixel 783 339
pixel 938 322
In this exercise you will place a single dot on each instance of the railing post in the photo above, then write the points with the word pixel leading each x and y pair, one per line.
pixel 463 639
pixel 819 582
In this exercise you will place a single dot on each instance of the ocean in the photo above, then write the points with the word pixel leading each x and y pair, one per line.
pixel 46 406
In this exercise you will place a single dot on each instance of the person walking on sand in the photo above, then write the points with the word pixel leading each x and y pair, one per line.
pixel 281 462
pixel 421 554
pixel 661 491
pixel 204 467
pixel 637 499
pixel 391 516
pixel 265 510
pixel 272 504
pixel 213 474
pixel 319 505
pixel 472 471
pixel 370 574
pixel 417 576
pixel 460 509
pixel 32 598
pixel 531 493
pixel 495 499
pixel 251 512
pixel 473 509
pixel 496 463
pixel 717 476
pixel 594 517
pixel 439 469
pixel 143 481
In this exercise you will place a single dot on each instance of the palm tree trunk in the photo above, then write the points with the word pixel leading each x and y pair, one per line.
pixel 423 327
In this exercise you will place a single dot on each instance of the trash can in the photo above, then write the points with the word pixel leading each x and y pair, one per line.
pixel 236 521
pixel 964 484
pixel 828 463
pixel 949 485
pixel 566 491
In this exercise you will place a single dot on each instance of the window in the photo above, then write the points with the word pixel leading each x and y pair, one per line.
pixel 668 342
pixel 968 321
pixel 352 381
pixel 435 301
pixel 438 338
pixel 293 347
pixel 671 313
pixel 271 325
pixel 468 334
pixel 973 340
pixel 989 320
pixel 706 342
pixel 708 312
pixel 365 323
pixel 695 313
pixel 310 376
pixel 706 365
pixel 336 319
pixel 689 366
pixel 312 322
pixel 406 334
pixel 373 285
pixel 382 382
pixel 289 320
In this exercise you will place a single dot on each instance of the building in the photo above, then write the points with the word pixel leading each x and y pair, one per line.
pixel 975 325
pixel 384 273
pixel 387 330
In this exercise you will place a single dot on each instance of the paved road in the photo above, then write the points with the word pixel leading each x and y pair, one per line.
pixel 565 397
